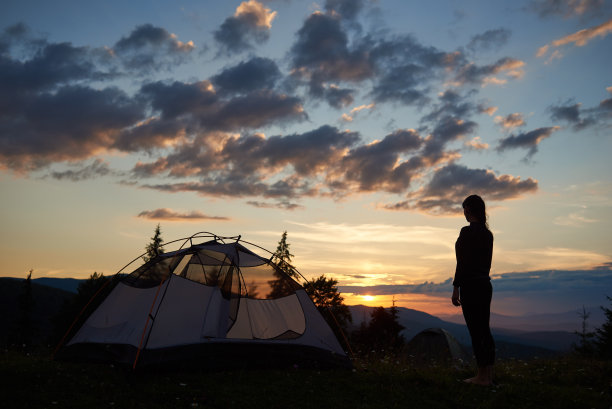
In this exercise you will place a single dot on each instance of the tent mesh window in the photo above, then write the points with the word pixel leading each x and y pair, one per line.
pixel 153 272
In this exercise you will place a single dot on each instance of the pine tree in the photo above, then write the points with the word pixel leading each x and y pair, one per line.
pixel 282 257
pixel 383 331
pixel 285 276
pixel 586 344
pixel 26 305
pixel 155 246
pixel 603 335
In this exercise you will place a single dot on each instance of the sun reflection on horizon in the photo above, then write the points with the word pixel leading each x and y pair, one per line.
pixel 430 304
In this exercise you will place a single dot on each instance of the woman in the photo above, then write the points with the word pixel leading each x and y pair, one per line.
pixel 472 288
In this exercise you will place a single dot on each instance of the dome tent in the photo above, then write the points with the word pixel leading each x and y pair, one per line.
pixel 436 345
pixel 215 303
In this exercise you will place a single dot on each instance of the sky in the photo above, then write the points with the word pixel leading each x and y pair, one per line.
pixel 356 126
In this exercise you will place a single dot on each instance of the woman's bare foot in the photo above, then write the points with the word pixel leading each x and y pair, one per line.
pixel 484 377
pixel 479 381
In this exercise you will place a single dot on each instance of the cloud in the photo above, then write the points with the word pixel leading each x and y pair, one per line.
pixel 350 116
pixel 578 39
pixel 283 204
pixel 581 118
pixel 566 8
pixel 250 25
pixel 96 169
pixel 476 144
pixel 471 73
pixel 348 9
pixel 377 166
pixel 537 281
pixel 73 123
pixel 490 39
pixel 253 165
pixel 254 74
pixel 199 104
pixel 149 48
pixel 208 135
pixel 575 219
pixel 321 57
pixel 527 140
pixel 510 121
pixel 451 184
pixel 173 216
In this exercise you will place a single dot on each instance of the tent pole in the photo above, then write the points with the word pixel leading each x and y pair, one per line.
pixel 341 332
pixel 144 331
pixel 81 313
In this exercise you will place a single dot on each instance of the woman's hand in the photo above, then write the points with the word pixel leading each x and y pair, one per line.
pixel 455 297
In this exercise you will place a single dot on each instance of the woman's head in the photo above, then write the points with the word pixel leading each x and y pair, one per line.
pixel 475 207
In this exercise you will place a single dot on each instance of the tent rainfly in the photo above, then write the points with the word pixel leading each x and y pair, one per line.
pixel 216 304
pixel 436 345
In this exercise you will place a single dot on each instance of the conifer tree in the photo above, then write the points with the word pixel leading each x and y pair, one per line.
pixel 603 334
pixel 155 246
pixel 282 257
pixel 26 304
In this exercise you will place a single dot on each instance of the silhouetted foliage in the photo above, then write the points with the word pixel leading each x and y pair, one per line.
pixel 282 257
pixel 585 346
pixel 284 283
pixel 603 334
pixel 383 332
pixel 325 295
pixel 89 296
pixel 25 326
pixel 155 246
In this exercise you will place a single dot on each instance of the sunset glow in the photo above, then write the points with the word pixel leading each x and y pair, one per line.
pixel 236 118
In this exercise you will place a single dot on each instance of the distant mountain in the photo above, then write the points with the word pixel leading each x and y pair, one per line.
pixel 47 302
pixel 520 337
pixel 66 284
pixel 510 343
pixel 569 321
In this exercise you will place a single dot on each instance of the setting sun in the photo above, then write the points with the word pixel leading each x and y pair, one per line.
pixel 368 297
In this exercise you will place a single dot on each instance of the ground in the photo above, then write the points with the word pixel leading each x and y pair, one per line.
pixel 34 380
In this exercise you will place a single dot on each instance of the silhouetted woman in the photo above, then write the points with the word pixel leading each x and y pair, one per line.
pixel 472 288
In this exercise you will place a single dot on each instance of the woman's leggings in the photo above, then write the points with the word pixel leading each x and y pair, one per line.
pixel 476 305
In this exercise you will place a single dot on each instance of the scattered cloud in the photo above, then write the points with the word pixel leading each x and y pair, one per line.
pixel 96 169
pixel 540 281
pixel 476 144
pixel 170 215
pixel 496 73
pixel 567 8
pixel 581 118
pixel 527 140
pixel 208 135
pixel 574 219
pixel 348 9
pixel 149 48
pixel 578 39
pixel 250 24
pixel 490 39
pixel 283 204
pixel 254 74
pixel 350 116
pixel 510 121
pixel 451 184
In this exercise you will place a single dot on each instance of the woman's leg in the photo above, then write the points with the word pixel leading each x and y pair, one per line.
pixel 476 305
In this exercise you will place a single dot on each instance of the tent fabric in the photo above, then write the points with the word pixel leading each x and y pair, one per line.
pixel 212 296
pixel 436 345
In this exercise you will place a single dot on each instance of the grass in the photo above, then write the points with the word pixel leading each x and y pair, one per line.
pixel 35 381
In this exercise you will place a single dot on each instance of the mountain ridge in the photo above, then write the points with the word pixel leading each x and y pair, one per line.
pixel 540 338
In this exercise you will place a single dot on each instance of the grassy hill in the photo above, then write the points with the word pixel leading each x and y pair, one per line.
pixel 378 381
pixel 47 302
